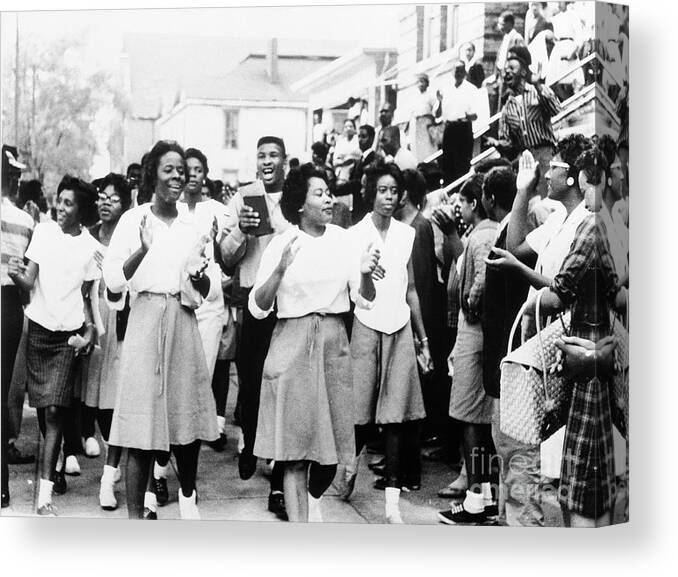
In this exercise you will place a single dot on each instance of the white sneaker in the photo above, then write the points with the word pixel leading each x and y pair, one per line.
pixel 92 448
pixel 188 509
pixel 314 512
pixel 394 518
pixel 72 466
pixel 107 498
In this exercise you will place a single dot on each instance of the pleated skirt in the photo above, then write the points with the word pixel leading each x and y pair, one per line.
pixel 305 409
pixel 386 386
pixel 164 391
pixel 51 367
pixel 101 370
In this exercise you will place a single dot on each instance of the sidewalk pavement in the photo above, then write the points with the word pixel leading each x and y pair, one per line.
pixel 222 494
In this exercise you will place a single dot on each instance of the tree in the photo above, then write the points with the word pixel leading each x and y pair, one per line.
pixel 58 105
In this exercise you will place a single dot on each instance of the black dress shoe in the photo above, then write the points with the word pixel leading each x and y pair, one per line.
pixel 247 465
pixel 5 498
pixel 276 505
pixel 160 489
pixel 219 444
pixel 149 515
pixel 16 457
pixel 379 470
pixel 407 486
pixel 60 486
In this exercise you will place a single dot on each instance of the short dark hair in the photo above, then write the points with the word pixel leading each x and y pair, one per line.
pixel 133 166
pixel 29 190
pixel 415 185
pixel 195 153
pixel 484 166
pixel 593 164
pixel 507 17
pixel 151 162
pixel 570 148
pixel 211 188
pixel 374 173
pixel 609 148
pixel 321 149
pixel 85 196
pixel 500 183
pixel 273 140
pixel 119 184
pixel 295 188
pixel 471 190
pixel 369 129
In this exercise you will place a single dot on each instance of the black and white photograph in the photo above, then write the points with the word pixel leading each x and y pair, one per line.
pixel 355 264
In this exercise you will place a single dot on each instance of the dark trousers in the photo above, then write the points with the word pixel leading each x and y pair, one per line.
pixel 254 342
pixel 457 149
pixel 12 323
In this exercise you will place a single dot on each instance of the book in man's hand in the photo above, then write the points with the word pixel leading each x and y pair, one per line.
pixel 254 196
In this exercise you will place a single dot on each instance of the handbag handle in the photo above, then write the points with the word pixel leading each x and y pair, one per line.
pixel 516 322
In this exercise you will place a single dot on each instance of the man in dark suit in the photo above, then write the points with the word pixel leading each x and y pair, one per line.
pixel 353 185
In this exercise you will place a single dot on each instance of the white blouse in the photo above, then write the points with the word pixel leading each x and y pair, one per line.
pixel 319 278
pixel 390 311
pixel 162 268
pixel 64 262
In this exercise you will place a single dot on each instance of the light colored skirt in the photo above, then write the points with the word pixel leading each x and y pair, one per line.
pixel 468 401
pixel 164 390
pixel 210 327
pixel 305 409
pixel 100 371
pixel 386 386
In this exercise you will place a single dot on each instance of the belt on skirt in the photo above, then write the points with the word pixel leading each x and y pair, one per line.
pixel 161 342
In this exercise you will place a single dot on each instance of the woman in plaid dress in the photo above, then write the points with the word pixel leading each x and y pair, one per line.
pixel 587 283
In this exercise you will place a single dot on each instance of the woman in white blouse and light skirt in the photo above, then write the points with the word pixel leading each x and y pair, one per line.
pixel 306 412
pixel 164 397
pixel 386 386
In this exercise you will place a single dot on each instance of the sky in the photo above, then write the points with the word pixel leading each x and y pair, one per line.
pixel 103 30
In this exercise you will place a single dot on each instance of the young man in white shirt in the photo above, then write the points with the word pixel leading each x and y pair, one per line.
pixel 459 105
pixel 241 250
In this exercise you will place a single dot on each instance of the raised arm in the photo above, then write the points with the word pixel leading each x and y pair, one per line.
pixel 518 227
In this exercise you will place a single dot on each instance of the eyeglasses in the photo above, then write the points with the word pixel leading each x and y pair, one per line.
pixel 113 199
pixel 557 164
pixel 385 189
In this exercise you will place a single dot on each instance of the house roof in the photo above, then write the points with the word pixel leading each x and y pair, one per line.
pixel 164 66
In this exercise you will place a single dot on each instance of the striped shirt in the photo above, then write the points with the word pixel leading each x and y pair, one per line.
pixel 17 229
pixel 526 119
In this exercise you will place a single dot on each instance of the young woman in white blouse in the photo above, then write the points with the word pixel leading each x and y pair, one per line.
pixel 59 272
pixel 305 412
pixel 386 386
pixel 164 398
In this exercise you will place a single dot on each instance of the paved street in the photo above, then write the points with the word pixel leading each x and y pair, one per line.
pixel 223 495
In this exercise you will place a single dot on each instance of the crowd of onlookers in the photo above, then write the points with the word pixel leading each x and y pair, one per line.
pixel 362 303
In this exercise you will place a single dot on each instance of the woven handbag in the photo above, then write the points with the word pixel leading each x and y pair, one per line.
pixel 533 403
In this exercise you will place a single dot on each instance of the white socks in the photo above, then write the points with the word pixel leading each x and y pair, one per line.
pixel 188 508
pixel 150 502
pixel 392 509
pixel 486 490
pixel 45 492
pixel 107 498
pixel 221 425
pixel 314 512
pixel 474 502
pixel 160 472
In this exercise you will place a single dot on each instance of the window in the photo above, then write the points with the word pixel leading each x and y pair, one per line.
pixel 230 129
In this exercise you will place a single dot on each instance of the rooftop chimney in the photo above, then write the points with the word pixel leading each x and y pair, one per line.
pixel 272 61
